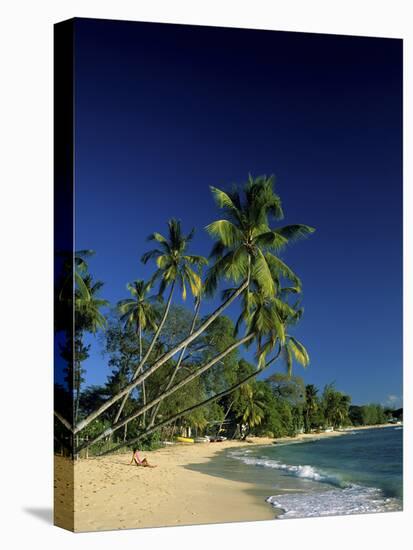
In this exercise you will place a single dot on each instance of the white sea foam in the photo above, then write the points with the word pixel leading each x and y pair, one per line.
pixel 303 471
pixel 351 500
pixel 344 499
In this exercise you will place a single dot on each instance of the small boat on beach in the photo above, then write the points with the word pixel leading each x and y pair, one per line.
pixel 185 439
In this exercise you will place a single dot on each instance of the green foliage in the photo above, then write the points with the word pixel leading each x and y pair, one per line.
pixel 355 415
pixel 312 409
pixel 88 317
pixel 219 336
pixel 138 311
pixel 373 414
pixel 368 415
pixel 245 243
pixel 173 264
pixel 77 294
pixel 335 407
pixel 289 388
pixel 151 441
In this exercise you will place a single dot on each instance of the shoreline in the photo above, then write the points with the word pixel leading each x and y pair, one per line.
pixel 111 494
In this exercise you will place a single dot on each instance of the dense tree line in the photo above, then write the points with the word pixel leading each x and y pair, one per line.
pixel 276 406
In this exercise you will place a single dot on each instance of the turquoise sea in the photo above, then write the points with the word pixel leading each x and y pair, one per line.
pixel 359 472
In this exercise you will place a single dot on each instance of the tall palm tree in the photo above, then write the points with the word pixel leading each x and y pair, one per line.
pixel 174 266
pixel 173 263
pixel 255 331
pixel 244 252
pixel 139 313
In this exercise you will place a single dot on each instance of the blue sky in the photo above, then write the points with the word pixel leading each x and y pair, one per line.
pixel 164 111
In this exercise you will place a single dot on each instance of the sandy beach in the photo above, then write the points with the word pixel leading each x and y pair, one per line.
pixel 111 494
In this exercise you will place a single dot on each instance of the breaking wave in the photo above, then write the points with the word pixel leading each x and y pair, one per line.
pixel 345 498
pixel 304 472
pixel 351 500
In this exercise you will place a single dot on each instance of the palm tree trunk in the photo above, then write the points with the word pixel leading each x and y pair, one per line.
pixel 175 417
pixel 172 390
pixel 143 360
pixel 225 417
pixel 178 364
pixel 140 344
pixel 143 383
pixel 162 360
pixel 144 404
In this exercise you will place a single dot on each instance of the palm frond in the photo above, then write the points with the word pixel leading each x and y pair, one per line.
pixel 194 280
pixel 223 199
pixel 81 286
pixel 150 254
pixel 261 273
pixel 295 232
pixel 271 240
pixel 278 267
pixel 286 354
pixel 195 260
pixel 224 230
pixel 299 351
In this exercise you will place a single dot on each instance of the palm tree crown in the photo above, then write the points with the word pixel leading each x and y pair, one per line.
pixel 87 305
pixel 254 406
pixel 174 265
pixel 245 243
pixel 138 311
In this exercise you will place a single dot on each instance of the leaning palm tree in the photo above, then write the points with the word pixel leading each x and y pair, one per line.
pixel 174 266
pixel 260 325
pixel 180 359
pixel 139 313
pixel 245 251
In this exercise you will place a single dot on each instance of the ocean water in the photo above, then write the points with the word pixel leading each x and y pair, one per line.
pixel 360 472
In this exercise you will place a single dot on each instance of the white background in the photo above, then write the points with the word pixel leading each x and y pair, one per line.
pixel 26 269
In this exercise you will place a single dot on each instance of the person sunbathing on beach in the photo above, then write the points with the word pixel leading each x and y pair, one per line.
pixel 139 462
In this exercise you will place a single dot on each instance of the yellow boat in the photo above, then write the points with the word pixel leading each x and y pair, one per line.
pixel 185 439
